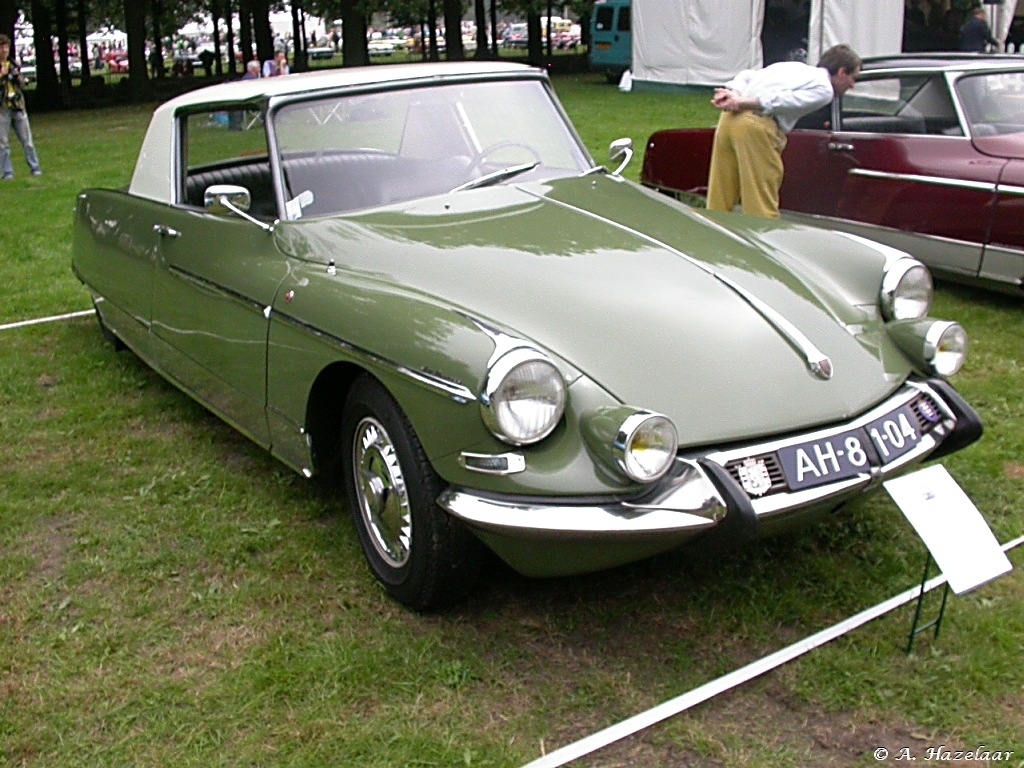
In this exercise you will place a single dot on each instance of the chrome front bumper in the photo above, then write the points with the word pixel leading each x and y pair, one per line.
pixel 703 492
pixel 685 501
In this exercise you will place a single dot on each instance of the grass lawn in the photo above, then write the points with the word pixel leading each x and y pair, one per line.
pixel 171 596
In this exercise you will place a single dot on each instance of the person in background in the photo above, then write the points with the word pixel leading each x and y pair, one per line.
pixel 12 111
pixel 975 33
pixel 236 119
pixel 759 107
pixel 277 65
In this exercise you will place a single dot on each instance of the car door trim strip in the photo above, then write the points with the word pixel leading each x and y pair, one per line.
pixel 938 181
pixel 213 287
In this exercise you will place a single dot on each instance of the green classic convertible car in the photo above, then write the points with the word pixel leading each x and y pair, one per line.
pixel 415 281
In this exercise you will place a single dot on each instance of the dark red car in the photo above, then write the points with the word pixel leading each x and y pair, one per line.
pixel 925 154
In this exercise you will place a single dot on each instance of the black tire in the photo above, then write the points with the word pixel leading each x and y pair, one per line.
pixel 108 334
pixel 422 556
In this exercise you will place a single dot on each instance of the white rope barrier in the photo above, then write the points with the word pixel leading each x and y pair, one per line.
pixel 41 320
pixel 632 725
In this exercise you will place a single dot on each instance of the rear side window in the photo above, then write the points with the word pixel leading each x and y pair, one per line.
pixel 914 104
pixel 624 19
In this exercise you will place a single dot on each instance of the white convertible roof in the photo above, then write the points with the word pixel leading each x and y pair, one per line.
pixel 327 79
pixel 155 167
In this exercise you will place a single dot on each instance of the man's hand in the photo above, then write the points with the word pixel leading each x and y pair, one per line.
pixel 728 100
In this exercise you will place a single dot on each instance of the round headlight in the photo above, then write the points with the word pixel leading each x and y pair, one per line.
pixel 906 290
pixel 524 397
pixel 946 348
pixel 646 446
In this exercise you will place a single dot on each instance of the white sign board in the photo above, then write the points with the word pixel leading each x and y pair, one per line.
pixel 951 526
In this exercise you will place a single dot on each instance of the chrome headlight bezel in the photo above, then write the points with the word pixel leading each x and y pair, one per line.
pixel 635 434
pixel 547 383
pixel 936 346
pixel 945 347
pixel 614 434
pixel 907 290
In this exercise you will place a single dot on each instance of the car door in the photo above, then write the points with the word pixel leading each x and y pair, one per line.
pixel 215 280
pixel 898 163
pixel 1003 259
pixel 115 252
pixel 992 103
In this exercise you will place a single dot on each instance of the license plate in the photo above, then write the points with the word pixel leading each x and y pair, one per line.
pixel 849 453
pixel 604 46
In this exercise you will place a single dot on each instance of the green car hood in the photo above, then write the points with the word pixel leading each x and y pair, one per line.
pixel 644 296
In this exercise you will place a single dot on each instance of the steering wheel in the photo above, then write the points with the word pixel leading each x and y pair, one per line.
pixel 486 152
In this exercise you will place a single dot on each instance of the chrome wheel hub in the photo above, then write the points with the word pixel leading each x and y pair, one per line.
pixel 381 492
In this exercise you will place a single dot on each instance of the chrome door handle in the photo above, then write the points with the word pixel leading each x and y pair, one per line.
pixel 165 231
pixel 840 146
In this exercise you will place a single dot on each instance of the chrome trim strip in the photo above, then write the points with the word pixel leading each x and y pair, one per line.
pixel 937 181
pixel 817 361
pixel 514 462
pixel 454 390
pixel 1010 189
pixel 203 283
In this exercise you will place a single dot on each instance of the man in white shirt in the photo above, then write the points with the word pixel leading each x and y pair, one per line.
pixel 759 107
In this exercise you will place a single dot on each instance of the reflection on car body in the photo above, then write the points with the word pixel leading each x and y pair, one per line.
pixel 414 280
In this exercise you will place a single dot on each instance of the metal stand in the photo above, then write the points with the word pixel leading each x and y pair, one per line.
pixel 917 627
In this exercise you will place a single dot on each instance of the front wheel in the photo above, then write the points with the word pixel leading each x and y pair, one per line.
pixel 422 556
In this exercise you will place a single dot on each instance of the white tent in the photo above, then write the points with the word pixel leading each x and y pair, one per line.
pixel 706 42
pixel 108 36
pixel 1000 17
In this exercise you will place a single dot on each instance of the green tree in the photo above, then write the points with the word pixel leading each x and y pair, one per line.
pixel 8 17
pixel 354 15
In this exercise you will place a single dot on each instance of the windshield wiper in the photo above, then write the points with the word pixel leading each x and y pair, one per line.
pixel 495 176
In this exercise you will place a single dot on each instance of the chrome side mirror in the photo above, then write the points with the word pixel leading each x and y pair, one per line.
pixel 620 148
pixel 220 198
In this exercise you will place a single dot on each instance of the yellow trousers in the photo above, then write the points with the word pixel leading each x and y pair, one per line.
pixel 746 164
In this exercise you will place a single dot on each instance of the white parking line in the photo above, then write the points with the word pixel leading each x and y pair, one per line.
pixel 41 320
pixel 632 725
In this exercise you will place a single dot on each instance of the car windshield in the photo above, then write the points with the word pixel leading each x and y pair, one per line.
pixel 346 153
pixel 993 102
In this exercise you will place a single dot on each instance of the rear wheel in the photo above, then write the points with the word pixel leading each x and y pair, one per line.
pixel 422 556
pixel 108 334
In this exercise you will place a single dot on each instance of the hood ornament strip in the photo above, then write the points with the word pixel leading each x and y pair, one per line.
pixel 817 362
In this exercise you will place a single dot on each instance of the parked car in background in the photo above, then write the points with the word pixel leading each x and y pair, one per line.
pixel 116 62
pixel 925 154
pixel 516 36
pixel 428 292
pixel 611 38
pixel 380 47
